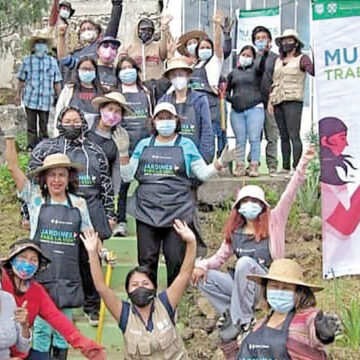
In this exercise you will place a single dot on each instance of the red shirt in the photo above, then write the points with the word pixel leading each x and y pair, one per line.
pixel 40 303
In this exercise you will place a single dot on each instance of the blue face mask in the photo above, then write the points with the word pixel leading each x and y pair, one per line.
pixel 250 210
pixel 87 77
pixel 23 269
pixel 261 44
pixel 41 49
pixel 128 76
pixel 282 301
pixel 205 54
pixel 165 127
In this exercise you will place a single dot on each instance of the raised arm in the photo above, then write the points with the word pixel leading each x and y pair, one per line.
pixel 113 303
pixel 62 50
pixel 179 285
pixel 113 25
pixel 166 38
pixel 217 34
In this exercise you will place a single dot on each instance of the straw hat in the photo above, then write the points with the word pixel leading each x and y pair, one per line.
pixel 252 191
pixel 42 34
pixel 165 106
pixel 289 33
pixel 53 161
pixel 192 34
pixel 22 245
pixel 287 271
pixel 111 97
pixel 179 62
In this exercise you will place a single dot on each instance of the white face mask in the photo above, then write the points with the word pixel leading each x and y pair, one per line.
pixel 88 35
pixel 179 82
pixel 245 61
pixel 64 14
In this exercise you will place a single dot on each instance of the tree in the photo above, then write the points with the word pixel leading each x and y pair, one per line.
pixel 17 15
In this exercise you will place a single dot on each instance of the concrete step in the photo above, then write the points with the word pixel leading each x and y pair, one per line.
pixel 125 248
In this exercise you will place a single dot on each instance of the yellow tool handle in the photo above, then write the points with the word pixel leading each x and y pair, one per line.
pixel 108 276
pixel 222 115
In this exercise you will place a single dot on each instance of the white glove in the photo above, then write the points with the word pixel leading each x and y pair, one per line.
pixel 227 156
pixel 105 255
pixel 122 141
pixel 8 125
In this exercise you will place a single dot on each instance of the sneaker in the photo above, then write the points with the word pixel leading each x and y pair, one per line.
pixel 272 172
pixel 120 230
pixel 227 329
pixel 92 317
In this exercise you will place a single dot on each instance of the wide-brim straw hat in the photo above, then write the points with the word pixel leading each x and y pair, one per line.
pixel 286 271
pixel 179 62
pixel 289 33
pixel 22 245
pixel 111 97
pixel 252 191
pixel 57 160
pixel 192 34
pixel 42 34
pixel 165 106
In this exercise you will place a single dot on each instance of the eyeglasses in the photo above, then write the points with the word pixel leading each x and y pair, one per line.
pixel 109 44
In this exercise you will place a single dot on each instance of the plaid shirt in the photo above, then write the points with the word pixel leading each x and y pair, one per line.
pixel 40 74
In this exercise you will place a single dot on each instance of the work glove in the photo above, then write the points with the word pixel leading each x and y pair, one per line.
pixel 8 125
pixel 105 255
pixel 327 327
pixel 90 349
pixel 227 25
pixel 122 141
pixel 117 2
pixel 227 156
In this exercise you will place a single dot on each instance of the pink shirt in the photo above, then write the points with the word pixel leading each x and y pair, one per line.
pixel 277 224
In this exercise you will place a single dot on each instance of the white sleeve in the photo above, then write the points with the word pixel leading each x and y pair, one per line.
pixel 213 70
pixel 203 171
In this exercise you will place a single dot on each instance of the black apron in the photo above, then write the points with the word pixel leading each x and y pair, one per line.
pixel 245 245
pixel 163 194
pixel 90 189
pixel 136 125
pixel 199 82
pixel 90 113
pixel 267 343
pixel 107 77
pixel 58 233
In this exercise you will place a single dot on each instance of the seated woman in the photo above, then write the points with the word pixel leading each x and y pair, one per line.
pixel 148 322
pixel 14 325
pixel 26 259
pixel 163 164
pixel 293 329
pixel 256 235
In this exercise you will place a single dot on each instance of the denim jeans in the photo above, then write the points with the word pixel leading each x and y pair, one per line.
pixel 248 125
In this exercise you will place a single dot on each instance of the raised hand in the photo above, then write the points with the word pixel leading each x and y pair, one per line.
pixel 184 231
pixel 91 241
pixel 227 156
pixel 227 25
pixel 62 29
pixel 21 315
pixel 165 20
pixel 310 152
pixel 122 141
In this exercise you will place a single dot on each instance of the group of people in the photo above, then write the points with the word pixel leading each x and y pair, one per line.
pixel 151 112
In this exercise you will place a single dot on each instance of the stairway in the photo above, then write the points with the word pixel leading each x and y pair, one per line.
pixel 126 251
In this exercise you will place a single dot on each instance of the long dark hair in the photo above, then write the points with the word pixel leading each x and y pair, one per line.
pixel 198 45
pixel 130 60
pixel 298 48
pixel 96 82
pixel 328 127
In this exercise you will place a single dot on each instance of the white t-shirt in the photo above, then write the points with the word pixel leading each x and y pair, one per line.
pixel 213 69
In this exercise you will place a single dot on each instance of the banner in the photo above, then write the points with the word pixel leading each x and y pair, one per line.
pixel 336 28
pixel 249 19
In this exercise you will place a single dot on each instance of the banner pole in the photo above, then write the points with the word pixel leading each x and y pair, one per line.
pixel 296 15
pixel 183 17
pixel 199 19
pixel 215 6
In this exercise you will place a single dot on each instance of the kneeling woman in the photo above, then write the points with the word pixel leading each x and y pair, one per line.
pixel 256 235
pixel 294 329
pixel 148 322
pixel 162 164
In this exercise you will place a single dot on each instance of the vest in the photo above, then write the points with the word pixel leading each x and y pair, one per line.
pixel 288 81
pixel 163 343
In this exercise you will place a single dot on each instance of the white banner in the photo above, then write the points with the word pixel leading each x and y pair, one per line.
pixel 249 19
pixel 337 68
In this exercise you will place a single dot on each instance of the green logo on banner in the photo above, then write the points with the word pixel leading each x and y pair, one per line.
pixel 329 9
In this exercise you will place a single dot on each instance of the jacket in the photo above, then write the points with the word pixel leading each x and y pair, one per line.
pixel 267 77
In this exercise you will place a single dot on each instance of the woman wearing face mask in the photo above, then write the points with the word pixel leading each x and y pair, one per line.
pixel 163 164
pixel 294 328
pixel 136 123
pixel 84 88
pixel 25 261
pixel 255 234
pixel 188 44
pixel 14 325
pixel 112 108
pixel 247 109
pixel 287 95
pixel 148 320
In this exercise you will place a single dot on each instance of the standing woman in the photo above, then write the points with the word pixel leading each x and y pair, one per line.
pixel 136 123
pixel 247 113
pixel 287 95
pixel 162 164
pixel 79 94
pixel 255 234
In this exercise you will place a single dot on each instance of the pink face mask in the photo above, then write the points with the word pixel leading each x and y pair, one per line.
pixel 110 118
pixel 107 54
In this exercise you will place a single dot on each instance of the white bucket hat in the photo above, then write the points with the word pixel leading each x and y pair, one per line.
pixel 253 191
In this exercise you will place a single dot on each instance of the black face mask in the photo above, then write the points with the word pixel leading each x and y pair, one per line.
pixel 142 296
pixel 145 36
pixel 288 47
pixel 70 132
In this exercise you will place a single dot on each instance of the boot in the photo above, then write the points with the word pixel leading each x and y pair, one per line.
pixel 253 171
pixel 239 170
pixel 230 349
